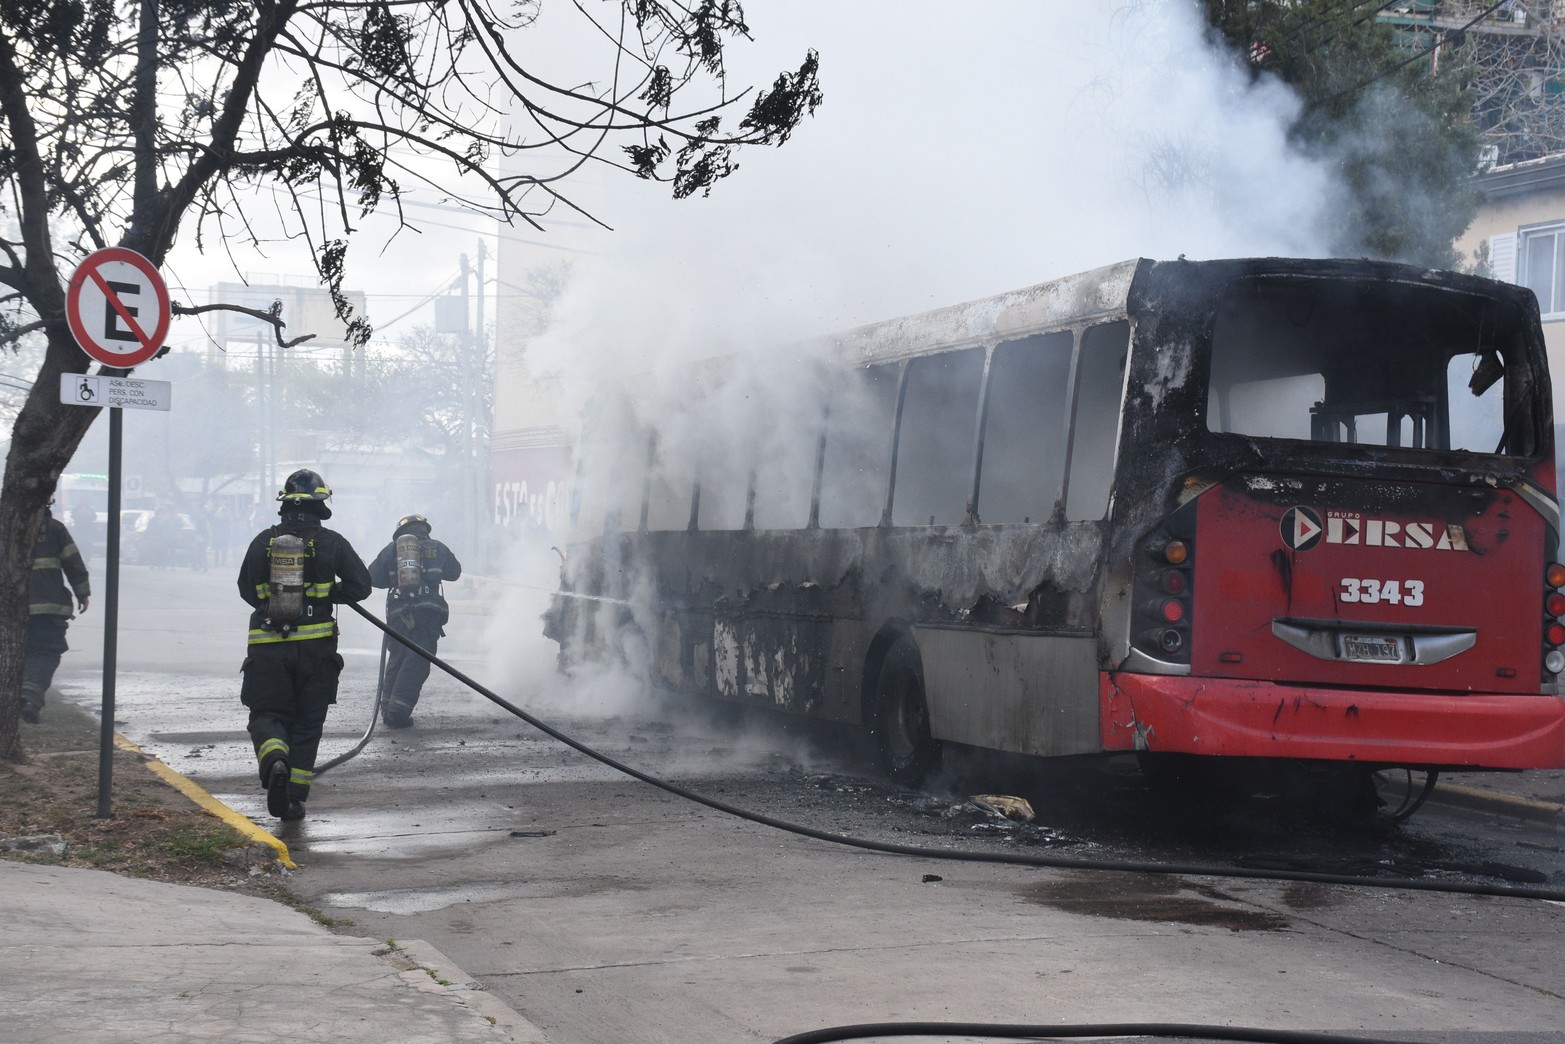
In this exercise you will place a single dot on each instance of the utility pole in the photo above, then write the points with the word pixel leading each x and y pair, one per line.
pixel 465 475
pixel 263 471
pixel 479 488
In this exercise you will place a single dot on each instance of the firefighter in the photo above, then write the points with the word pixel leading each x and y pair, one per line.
pixel 291 575
pixel 413 566
pixel 55 561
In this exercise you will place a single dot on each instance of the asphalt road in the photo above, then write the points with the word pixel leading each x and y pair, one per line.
pixel 605 910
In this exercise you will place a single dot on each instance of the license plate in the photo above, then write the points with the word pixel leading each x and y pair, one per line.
pixel 1373 648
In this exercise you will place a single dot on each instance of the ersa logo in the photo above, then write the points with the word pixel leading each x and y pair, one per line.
pixel 1303 528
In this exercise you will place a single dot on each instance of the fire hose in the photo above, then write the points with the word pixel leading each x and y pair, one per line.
pixel 1015 858
pixel 890 1029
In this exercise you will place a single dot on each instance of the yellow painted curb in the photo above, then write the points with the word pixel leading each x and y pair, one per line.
pixel 195 793
pixel 1497 802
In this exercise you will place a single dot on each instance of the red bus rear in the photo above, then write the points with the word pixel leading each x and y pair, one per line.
pixel 1355 566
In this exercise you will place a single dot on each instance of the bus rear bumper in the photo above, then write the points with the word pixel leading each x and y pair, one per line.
pixel 1237 718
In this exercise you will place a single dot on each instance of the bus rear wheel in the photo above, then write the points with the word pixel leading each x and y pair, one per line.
pixel 908 751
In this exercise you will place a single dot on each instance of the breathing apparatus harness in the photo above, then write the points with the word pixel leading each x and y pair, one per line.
pixel 418 569
pixel 304 494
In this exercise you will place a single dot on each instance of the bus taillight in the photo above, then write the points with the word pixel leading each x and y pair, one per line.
pixel 1164 581
pixel 1553 629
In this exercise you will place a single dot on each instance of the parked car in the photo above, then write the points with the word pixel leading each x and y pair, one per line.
pixel 89 532
pixel 160 538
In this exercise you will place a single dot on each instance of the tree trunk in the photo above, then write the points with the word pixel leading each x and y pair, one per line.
pixel 43 441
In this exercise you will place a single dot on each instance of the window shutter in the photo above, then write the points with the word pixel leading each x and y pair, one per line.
pixel 1502 257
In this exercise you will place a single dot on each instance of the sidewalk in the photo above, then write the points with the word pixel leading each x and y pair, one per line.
pixel 94 957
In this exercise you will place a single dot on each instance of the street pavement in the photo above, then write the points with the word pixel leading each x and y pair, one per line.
pixel 91 956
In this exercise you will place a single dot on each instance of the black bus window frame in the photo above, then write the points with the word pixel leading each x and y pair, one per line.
pixel 1106 451
pixel 758 506
pixel 1033 418
pixel 941 393
pixel 870 443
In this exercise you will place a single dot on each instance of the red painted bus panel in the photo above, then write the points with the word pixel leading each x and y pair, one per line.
pixel 1240 718
pixel 1422 561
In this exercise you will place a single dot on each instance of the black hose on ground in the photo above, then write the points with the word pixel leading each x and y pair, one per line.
pixel 1013 858
pixel 1123 1029
pixel 380 692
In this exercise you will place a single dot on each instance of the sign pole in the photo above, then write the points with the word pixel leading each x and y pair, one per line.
pixel 118 309
pixel 111 611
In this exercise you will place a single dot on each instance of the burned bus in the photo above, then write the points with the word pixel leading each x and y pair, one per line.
pixel 1258 508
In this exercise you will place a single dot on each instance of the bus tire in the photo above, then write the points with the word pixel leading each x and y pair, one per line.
pixel 908 751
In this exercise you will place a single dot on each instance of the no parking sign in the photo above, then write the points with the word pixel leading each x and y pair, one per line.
pixel 118 307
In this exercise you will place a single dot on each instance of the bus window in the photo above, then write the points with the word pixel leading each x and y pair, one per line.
pixel 673 485
pixel 934 477
pixel 725 487
pixel 785 470
pixel 1099 391
pixel 1365 363
pixel 614 453
pixel 858 448
pixel 1024 431
pixel 1477 421
pixel 1276 408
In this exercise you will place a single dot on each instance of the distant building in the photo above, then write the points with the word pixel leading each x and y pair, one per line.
pixel 1513 62
pixel 1519 232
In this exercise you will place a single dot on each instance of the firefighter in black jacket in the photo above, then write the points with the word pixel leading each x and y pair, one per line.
pixel 55 561
pixel 413 566
pixel 292 574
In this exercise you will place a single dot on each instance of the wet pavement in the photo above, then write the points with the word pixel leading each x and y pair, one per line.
pixel 599 909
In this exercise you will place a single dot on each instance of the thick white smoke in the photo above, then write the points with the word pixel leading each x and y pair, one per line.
pixel 960 152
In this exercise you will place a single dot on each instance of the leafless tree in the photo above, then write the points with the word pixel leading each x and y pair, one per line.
pixel 140 123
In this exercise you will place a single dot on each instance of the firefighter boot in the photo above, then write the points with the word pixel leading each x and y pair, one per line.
pixel 277 788
pixel 295 812
pixel 32 703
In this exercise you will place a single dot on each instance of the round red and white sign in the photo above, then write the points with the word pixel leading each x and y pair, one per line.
pixel 118 307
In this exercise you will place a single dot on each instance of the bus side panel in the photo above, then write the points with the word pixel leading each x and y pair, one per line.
pixel 1241 718
pixel 1023 693
pixel 771 660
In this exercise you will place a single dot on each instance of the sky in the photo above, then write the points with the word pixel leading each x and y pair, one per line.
pixel 960 151
pixel 954 157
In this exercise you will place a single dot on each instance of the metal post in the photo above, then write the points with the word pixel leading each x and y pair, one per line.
pixel 478 488
pixel 465 477
pixel 111 612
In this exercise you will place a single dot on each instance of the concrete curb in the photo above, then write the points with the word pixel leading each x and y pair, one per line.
pixel 1497 803
pixel 206 801
pixel 430 970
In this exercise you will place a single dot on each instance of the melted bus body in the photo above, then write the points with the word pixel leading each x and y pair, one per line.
pixel 1256 508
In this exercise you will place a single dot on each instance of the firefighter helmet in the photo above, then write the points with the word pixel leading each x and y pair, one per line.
pixel 304 484
pixel 411 523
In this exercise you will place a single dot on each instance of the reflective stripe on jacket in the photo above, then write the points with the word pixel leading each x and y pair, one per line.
pixel 333 573
pixel 55 561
